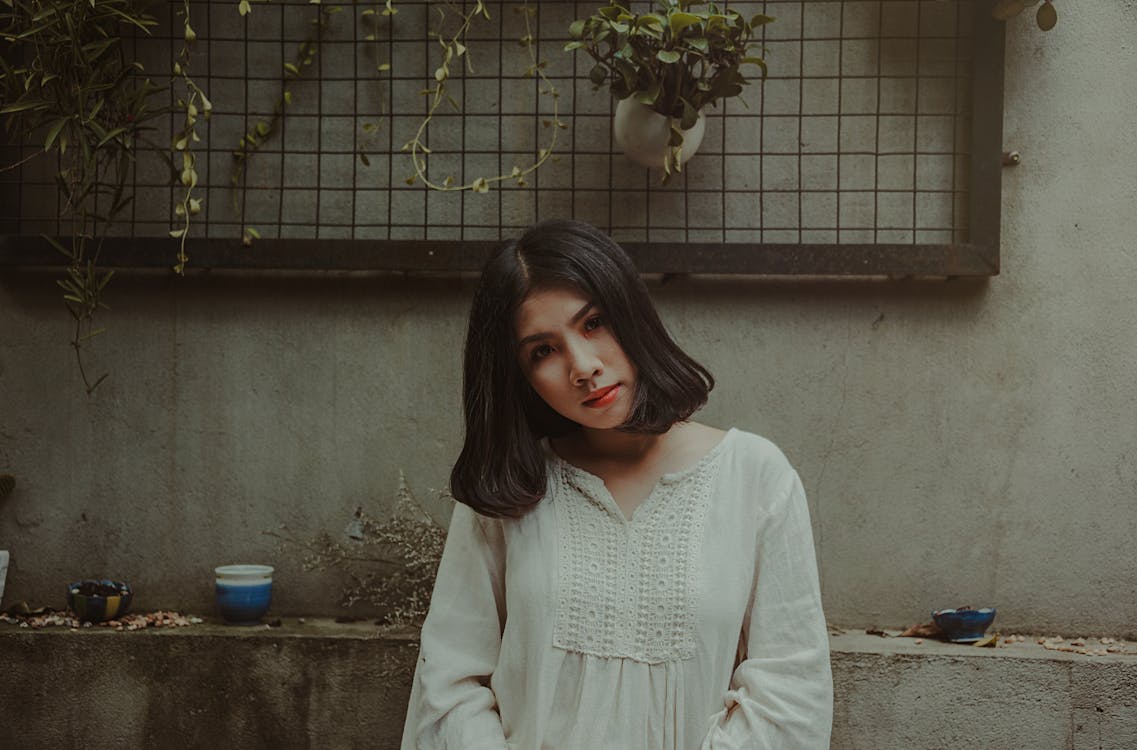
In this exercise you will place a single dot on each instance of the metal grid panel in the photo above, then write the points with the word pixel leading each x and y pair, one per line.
pixel 860 134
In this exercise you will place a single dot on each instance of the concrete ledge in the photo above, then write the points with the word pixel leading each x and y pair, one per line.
pixel 893 693
pixel 327 685
pixel 318 685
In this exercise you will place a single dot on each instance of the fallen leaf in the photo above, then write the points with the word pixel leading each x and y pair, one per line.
pixel 990 641
pixel 925 630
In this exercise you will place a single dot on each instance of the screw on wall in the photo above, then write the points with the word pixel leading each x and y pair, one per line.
pixel 1011 158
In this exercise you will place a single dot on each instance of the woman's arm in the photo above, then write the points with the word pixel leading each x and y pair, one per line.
pixel 781 694
pixel 452 706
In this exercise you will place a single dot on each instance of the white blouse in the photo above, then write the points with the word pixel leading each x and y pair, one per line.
pixel 695 625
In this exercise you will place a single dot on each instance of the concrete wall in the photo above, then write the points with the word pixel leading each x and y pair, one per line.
pixel 961 443
pixel 320 685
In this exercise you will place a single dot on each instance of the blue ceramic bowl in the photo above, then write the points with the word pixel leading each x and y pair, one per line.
pixel 964 625
pixel 243 592
pixel 94 600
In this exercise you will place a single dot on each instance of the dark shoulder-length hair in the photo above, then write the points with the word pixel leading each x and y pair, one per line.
pixel 501 470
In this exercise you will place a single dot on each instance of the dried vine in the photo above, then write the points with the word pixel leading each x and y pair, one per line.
pixel 455 52
pixel 389 564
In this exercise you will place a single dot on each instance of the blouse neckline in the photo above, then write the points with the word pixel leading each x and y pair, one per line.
pixel 667 478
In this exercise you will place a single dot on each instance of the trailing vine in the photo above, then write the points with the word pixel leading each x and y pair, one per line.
pixel 263 130
pixel 455 52
pixel 370 17
pixel 184 139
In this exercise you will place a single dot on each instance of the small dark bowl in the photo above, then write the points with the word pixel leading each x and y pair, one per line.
pixel 94 600
pixel 964 625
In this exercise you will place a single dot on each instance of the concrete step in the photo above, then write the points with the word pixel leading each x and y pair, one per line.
pixel 321 684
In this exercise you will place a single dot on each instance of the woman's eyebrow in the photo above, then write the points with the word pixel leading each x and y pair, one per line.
pixel 574 320
pixel 533 337
pixel 583 311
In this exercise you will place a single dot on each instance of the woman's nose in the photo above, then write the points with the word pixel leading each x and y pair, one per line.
pixel 584 362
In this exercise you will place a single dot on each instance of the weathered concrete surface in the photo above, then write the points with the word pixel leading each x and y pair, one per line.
pixel 325 685
pixel 960 443
pixel 298 686
pixel 892 693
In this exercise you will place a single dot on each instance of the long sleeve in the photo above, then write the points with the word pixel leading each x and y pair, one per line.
pixel 452 706
pixel 781 693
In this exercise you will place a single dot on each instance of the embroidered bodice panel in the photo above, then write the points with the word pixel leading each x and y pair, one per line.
pixel 629 589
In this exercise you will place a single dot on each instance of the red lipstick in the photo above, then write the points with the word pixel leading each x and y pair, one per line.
pixel 602 397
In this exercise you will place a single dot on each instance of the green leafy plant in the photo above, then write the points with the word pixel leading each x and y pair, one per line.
pixel 66 75
pixel 678 59
pixel 1046 17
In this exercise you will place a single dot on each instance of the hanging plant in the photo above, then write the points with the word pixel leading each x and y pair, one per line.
pixel 66 75
pixel 675 61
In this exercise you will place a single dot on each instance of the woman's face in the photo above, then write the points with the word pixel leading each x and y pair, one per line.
pixel 572 359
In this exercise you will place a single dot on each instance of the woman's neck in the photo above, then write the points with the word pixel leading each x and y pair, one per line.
pixel 598 447
pixel 614 445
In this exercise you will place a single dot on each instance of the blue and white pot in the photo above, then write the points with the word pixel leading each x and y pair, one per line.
pixel 243 592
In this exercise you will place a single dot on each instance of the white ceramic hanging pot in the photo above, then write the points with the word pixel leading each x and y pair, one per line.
pixel 642 134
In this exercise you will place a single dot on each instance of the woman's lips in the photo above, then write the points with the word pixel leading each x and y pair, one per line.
pixel 602 397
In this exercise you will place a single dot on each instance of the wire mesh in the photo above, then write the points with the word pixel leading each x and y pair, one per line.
pixel 859 134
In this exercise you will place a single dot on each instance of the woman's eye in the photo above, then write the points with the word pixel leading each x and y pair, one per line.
pixel 540 352
pixel 593 323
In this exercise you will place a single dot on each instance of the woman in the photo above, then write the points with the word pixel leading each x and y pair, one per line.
pixel 615 577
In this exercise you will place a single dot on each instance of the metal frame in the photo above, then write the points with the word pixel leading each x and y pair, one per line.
pixel 977 258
